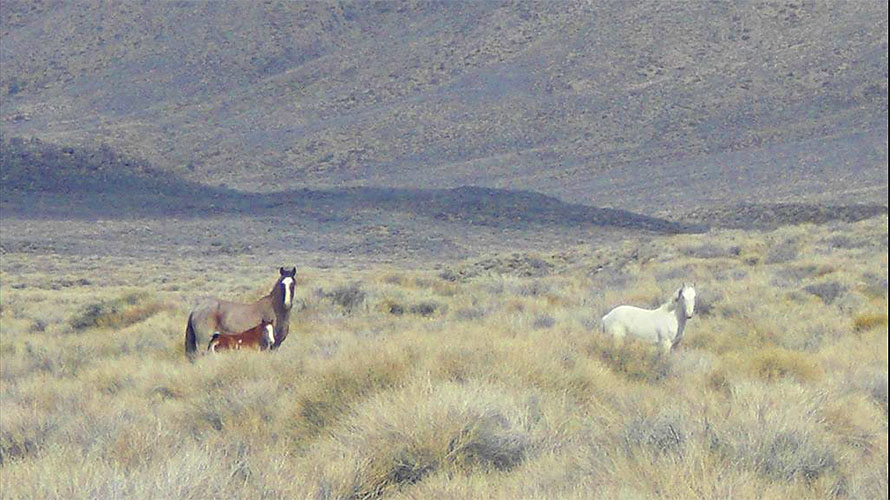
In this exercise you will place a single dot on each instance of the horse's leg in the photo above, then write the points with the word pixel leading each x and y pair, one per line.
pixel 618 333
pixel 613 329
pixel 280 334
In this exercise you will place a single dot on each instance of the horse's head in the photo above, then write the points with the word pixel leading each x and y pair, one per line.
pixel 285 286
pixel 686 295
pixel 268 334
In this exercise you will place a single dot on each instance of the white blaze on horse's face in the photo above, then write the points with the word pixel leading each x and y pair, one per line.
pixel 288 284
pixel 270 334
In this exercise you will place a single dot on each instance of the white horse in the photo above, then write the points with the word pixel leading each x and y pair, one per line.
pixel 663 326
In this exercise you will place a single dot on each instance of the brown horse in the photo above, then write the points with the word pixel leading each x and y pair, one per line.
pixel 214 315
pixel 260 337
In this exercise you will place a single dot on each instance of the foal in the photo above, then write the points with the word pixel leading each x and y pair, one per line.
pixel 260 337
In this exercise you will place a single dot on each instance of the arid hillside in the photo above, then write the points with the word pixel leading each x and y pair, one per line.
pixel 645 106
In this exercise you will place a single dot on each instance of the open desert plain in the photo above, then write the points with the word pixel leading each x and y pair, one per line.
pixel 464 189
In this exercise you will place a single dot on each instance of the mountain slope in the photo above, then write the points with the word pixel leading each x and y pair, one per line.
pixel 558 97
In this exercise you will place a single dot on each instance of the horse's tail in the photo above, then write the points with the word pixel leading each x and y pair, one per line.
pixel 191 342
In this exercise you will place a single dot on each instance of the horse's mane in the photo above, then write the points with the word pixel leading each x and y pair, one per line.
pixel 671 304
pixel 276 294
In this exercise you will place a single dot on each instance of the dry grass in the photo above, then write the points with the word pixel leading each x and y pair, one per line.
pixel 468 381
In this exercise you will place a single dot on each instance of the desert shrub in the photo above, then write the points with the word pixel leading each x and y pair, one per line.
pixel 470 313
pixel 846 242
pixel 662 434
pixel 117 313
pixel 783 252
pixel 677 274
pixel 534 289
pixel 828 291
pixel 789 276
pixel 226 248
pixel 58 360
pixel 705 301
pixel 425 308
pixel 877 389
pixel 395 308
pixel 875 284
pixel 610 279
pixel 347 296
pixel 709 251
pixel 782 452
pixel 851 303
pixel 543 321
pixel 23 432
pixel 734 274
pixel 719 382
pixel 868 321
pixel 449 275
pixel 793 455
pixel 393 279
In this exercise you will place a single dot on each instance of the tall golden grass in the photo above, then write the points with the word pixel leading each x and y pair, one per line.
pixel 464 381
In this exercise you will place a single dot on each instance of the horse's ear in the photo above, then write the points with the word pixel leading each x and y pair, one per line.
pixel 293 271
pixel 281 271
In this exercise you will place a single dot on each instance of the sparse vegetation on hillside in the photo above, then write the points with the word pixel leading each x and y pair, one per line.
pixel 591 102
pixel 38 166
pixel 482 379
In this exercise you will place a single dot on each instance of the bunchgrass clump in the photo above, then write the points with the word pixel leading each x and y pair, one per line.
pixel 117 313
pixel 661 435
pixel 636 361
pixel 793 455
pixel 425 309
pixel 828 291
pixel 783 252
pixel 869 321
pixel 348 297
pixel 775 363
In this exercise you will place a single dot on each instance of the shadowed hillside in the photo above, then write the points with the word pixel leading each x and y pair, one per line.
pixel 102 182
pixel 595 104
